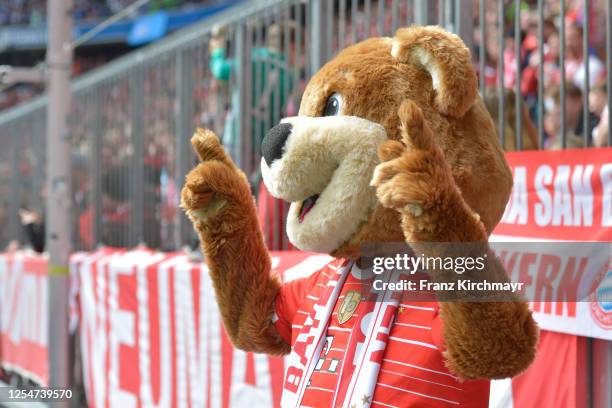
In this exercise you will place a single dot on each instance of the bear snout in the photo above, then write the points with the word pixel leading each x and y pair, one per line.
pixel 274 142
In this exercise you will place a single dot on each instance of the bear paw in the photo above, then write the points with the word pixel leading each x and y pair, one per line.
pixel 413 177
pixel 214 183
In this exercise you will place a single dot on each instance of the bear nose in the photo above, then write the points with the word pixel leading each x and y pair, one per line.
pixel 273 143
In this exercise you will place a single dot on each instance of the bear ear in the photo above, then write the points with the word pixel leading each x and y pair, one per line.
pixel 447 60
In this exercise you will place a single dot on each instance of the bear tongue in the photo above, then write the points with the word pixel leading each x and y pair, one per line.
pixel 307 205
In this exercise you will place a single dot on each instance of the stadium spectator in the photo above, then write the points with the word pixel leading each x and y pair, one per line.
pixel 34 225
pixel 574 118
pixel 269 70
pixel 552 73
pixel 574 64
pixel 529 133
pixel 600 132
pixel 271 73
pixel 598 97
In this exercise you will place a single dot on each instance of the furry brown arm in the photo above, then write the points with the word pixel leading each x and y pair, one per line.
pixel 218 200
pixel 484 339
pixel 487 339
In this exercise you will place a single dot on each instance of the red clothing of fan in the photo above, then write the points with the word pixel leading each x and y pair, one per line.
pixel 272 213
pixel 412 373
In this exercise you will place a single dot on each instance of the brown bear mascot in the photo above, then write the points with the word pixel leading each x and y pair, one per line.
pixel 392 144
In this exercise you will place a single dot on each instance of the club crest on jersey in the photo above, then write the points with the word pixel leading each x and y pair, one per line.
pixel 348 306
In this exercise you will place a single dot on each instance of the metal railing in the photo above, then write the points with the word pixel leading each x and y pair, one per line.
pixel 132 119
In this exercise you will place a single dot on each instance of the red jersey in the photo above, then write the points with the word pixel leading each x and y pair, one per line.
pixel 412 373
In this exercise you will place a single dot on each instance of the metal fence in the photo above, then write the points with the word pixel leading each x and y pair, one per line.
pixel 132 119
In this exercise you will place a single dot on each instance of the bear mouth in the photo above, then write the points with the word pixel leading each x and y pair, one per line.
pixel 324 172
pixel 307 205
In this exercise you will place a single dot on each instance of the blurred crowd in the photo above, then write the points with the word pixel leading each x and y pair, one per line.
pixel 34 12
pixel 21 93
pixel 131 122
pixel 529 62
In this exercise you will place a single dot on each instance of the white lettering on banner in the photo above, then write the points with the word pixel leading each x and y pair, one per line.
pixel 10 290
pixel 583 195
pixel 122 331
pixel 144 335
pixel 93 338
pixel 43 304
pixel 563 196
pixel 243 394
pixel 28 311
pixel 4 294
pixel 548 277
pixel 23 316
pixel 562 199
pixel 198 357
pixel 196 343
pixel 191 357
pixel 543 209
pixel 24 295
pixel 213 336
pixel 518 209
pixel 606 181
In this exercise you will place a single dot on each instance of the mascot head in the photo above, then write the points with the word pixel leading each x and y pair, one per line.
pixel 322 161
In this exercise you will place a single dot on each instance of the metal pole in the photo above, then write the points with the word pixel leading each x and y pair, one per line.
pixel 441 12
pixel 317 49
pixel 277 109
pixel 367 18
pixel 424 12
pixel 342 25
pixel 183 128
pixel 541 74
pixel 243 86
pixel 354 21
pixel 299 35
pixel 562 67
pixel 585 95
pixel 465 23
pixel 59 61
pixel 14 224
pixel 518 133
pixel 329 33
pixel 394 15
pixel 137 170
pixel 609 66
pixel 38 138
pixel 96 166
pixel 380 24
pixel 500 73
pixel 482 51
pixel 409 13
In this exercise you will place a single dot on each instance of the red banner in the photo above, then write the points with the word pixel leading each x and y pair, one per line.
pixel 151 334
pixel 23 316
pixel 560 195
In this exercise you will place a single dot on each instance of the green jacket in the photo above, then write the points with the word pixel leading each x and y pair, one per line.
pixel 271 85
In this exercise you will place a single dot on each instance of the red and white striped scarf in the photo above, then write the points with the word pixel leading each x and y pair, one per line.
pixel 364 351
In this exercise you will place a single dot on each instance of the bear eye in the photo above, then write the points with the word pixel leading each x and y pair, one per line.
pixel 333 105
